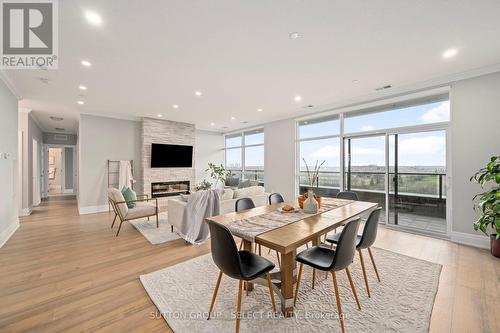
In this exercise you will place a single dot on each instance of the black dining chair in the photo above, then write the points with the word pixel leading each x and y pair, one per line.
pixel 365 241
pixel 329 260
pixel 349 195
pixel 240 265
pixel 275 198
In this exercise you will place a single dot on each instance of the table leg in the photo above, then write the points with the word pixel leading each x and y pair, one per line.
pixel 247 246
pixel 287 268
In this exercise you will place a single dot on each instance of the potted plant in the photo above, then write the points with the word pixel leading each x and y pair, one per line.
pixel 217 172
pixel 203 186
pixel 312 178
pixel 488 203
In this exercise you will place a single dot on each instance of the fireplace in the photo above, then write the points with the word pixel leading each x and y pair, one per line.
pixel 167 189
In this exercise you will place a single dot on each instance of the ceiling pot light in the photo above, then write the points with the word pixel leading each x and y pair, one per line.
pixel 93 18
pixel 86 63
pixel 175 106
pixel 297 98
pixel 82 87
pixel 159 115
pixel 56 118
pixel 233 118
pixel 450 53
pixel 81 102
pixel 294 35
pixel 260 110
pixel 212 124
pixel 198 93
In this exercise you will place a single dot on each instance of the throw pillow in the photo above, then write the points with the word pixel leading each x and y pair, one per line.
pixel 232 181
pixel 244 183
pixel 129 195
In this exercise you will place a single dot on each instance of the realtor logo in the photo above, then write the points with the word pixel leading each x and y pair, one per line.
pixel 29 34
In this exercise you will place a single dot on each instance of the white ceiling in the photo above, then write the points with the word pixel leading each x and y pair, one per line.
pixel 149 55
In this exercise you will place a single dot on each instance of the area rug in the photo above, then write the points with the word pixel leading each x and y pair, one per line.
pixel 153 234
pixel 401 302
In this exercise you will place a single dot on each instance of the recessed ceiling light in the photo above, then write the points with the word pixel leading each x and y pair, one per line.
pixel 159 115
pixel 355 81
pixel 175 106
pixel 294 35
pixel 82 87
pixel 297 98
pixel 450 53
pixel 93 18
pixel 233 118
pixel 197 93
pixel 86 63
pixel 260 110
pixel 56 118
pixel 212 124
pixel 81 102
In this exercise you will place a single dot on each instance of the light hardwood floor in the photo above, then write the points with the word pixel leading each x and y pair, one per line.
pixel 64 272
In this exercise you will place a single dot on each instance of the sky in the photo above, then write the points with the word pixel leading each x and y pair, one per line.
pixel 416 149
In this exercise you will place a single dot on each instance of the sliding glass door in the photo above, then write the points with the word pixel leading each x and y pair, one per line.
pixel 417 186
pixel 365 168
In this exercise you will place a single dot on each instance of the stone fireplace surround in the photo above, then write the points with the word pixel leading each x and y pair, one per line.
pixel 165 132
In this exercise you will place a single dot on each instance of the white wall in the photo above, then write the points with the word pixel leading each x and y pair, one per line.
pixel 475 105
pixel 208 148
pixel 8 164
pixel 101 139
pixel 279 159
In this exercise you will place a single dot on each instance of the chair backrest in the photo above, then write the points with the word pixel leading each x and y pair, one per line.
pixel 224 250
pixel 370 229
pixel 243 203
pixel 275 198
pixel 349 195
pixel 114 196
pixel 346 246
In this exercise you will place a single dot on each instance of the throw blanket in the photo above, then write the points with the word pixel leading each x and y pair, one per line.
pixel 125 177
pixel 200 205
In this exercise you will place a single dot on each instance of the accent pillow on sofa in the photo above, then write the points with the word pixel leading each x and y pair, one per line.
pixel 244 184
pixel 129 195
pixel 228 194
pixel 232 181
pixel 243 192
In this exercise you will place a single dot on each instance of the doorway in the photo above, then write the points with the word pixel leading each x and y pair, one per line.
pixel 60 170
pixel 405 173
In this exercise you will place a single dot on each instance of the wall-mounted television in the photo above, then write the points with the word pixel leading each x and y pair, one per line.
pixel 171 156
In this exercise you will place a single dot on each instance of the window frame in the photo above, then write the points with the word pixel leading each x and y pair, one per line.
pixel 243 149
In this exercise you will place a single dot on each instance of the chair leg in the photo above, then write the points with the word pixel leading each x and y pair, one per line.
pixel 298 283
pixel 352 287
pixel 148 218
pixel 157 224
pixel 241 245
pixel 364 271
pixel 314 278
pixel 114 221
pixel 270 285
pixel 260 250
pixel 238 306
pixel 119 227
pixel 268 252
pixel 171 228
pixel 214 296
pixel 337 297
pixel 279 261
pixel 373 262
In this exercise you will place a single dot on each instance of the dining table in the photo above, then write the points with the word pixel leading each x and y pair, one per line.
pixel 285 232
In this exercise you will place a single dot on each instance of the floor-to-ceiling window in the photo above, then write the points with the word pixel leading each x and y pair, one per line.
pixel 245 154
pixel 318 141
pixel 393 154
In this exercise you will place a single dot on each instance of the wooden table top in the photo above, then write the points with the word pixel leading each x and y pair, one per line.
pixel 291 236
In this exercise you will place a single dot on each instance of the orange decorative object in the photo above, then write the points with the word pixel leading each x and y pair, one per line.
pixel 302 198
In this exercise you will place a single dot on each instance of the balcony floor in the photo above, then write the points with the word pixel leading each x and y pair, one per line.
pixel 420 222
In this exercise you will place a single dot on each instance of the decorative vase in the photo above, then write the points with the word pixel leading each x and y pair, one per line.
pixel 310 204
pixel 495 245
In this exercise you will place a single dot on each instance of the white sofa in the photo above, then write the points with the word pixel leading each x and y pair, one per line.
pixel 257 193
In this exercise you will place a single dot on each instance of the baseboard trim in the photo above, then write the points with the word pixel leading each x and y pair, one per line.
pixel 475 240
pixel 92 209
pixel 25 211
pixel 7 233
